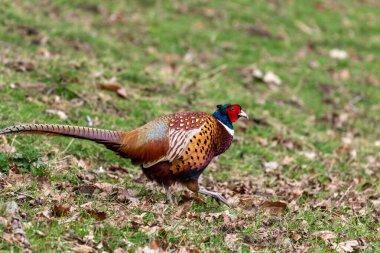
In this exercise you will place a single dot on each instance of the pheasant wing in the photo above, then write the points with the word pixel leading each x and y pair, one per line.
pixel 163 139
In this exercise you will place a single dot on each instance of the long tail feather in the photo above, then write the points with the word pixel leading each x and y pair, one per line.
pixel 94 134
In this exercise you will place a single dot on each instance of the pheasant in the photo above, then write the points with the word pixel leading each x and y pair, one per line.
pixel 173 148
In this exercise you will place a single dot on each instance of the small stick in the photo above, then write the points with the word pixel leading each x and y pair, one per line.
pixel 17 227
pixel 345 193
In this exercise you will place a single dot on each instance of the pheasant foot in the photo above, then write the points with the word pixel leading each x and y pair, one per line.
pixel 217 196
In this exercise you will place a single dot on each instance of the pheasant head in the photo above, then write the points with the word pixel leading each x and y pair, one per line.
pixel 229 113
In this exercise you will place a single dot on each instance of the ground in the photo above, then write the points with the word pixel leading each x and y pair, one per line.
pixel 301 176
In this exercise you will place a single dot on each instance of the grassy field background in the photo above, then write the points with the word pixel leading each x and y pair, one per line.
pixel 302 175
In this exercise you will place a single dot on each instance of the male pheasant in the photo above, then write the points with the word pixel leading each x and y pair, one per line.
pixel 170 149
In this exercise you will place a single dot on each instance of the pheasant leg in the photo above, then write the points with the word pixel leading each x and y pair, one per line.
pixel 172 199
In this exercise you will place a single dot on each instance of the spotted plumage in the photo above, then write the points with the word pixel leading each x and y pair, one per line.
pixel 170 149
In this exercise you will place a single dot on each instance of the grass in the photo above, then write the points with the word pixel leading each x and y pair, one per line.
pixel 173 56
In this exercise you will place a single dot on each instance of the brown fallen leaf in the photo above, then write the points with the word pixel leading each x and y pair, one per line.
pixel 117 170
pixel 147 249
pixel 122 92
pixel 248 202
pixel 86 189
pixel 61 210
pixel 287 160
pixel 341 75
pixel 98 215
pixel 231 241
pixel 295 236
pixel 182 210
pixel 83 249
pixel 44 53
pixel 115 87
pixel 3 222
pixel 262 32
pixel 188 250
pixel 350 246
pixel 372 80
pixel 120 250
pixel 21 66
pixel 325 235
pixel 274 206
pixel 7 238
pixel 123 195
pixel 188 198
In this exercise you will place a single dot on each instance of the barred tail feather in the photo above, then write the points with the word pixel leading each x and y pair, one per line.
pixel 107 137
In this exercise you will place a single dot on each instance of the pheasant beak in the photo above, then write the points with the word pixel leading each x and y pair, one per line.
pixel 242 114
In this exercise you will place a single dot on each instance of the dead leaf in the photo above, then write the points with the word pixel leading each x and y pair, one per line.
pixel 115 87
pixel 117 170
pixel 341 75
pixel 271 78
pixel 182 210
pixel 372 80
pixel 61 210
pixel 83 249
pixel 106 187
pixel 120 250
pixel 231 241
pixel 98 215
pixel 304 27
pixel 325 235
pixel 261 32
pixel 248 202
pixel 261 141
pixel 338 54
pixel 274 206
pixel 309 155
pixel 295 236
pixel 3 222
pixel 44 53
pixel 147 249
pixel 287 160
pixel 188 250
pixel 7 238
pixel 122 92
pixel 61 114
pixel 350 246
pixel 252 73
pixel 188 198
pixel 86 189
pixel 271 165
pixel 123 195
pixel 21 66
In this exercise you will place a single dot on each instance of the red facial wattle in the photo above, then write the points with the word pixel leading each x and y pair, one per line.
pixel 233 112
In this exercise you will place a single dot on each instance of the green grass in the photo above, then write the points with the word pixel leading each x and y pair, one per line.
pixel 174 56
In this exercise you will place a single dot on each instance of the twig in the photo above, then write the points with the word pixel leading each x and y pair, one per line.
pixel 17 227
pixel 345 193
pixel 24 194
pixel 80 96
